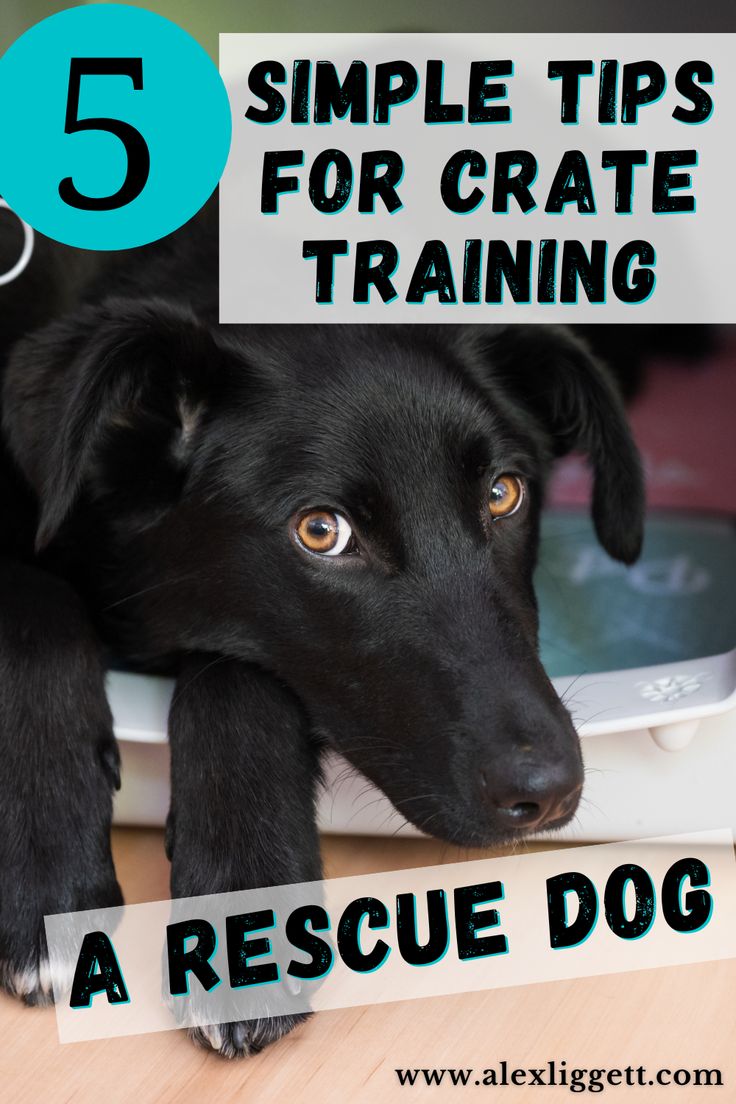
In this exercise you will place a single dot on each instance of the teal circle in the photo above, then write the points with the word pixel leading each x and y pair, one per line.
pixel 182 112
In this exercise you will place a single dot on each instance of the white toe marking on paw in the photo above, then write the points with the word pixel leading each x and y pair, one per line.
pixel 55 981
pixel 40 980
pixel 24 982
pixel 213 1035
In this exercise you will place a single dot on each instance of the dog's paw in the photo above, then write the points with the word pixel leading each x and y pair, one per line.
pixel 25 971
pixel 244 1037
pixel 33 981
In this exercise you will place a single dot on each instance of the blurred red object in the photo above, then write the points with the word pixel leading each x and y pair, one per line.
pixel 684 421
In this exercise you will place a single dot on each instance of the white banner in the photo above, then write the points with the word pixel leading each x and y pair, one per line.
pixel 467 926
pixel 478 178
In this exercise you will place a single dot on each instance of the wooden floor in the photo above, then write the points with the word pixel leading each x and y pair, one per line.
pixel 673 1018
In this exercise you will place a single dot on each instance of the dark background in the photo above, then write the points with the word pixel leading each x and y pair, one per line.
pixel 206 18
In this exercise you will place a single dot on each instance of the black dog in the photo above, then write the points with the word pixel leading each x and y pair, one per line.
pixel 329 532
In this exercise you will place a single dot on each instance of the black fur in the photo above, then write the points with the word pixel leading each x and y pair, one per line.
pixel 156 462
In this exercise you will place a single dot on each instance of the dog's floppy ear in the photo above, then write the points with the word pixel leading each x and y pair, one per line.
pixel 108 399
pixel 552 374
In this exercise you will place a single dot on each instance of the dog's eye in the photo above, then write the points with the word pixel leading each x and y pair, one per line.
pixel 326 533
pixel 506 495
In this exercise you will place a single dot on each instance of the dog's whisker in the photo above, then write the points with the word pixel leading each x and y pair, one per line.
pixel 147 590
pixel 207 667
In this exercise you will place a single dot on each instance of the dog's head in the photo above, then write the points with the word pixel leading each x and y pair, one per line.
pixel 355 509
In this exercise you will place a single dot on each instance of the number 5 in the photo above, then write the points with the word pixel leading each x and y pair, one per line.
pixel 139 159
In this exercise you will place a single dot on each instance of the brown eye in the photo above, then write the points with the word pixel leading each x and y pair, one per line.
pixel 506 495
pixel 324 532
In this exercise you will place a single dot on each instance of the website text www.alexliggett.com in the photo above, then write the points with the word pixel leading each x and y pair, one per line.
pixel 560 1074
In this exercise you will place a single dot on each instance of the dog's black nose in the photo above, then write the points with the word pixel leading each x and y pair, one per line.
pixel 544 797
